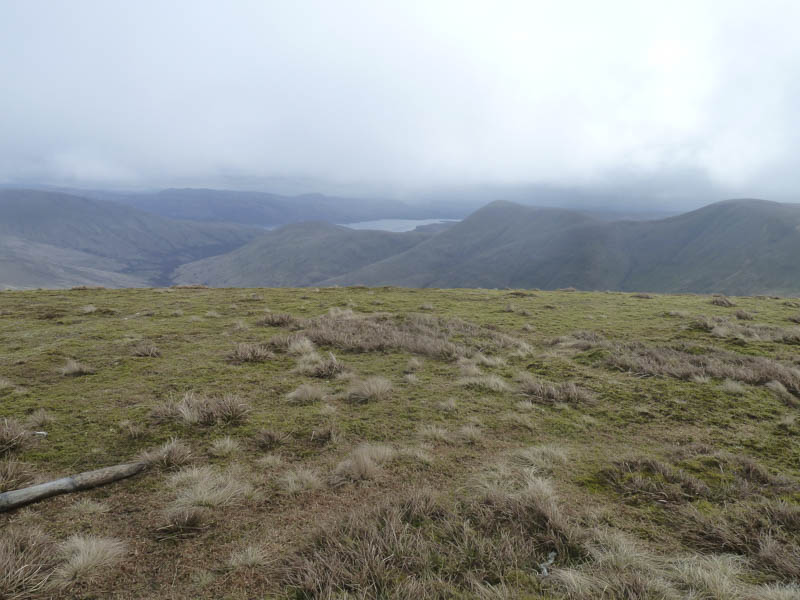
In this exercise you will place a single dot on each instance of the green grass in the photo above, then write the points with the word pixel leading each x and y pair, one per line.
pixel 630 417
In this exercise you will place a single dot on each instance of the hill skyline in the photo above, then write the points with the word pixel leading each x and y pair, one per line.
pixel 52 239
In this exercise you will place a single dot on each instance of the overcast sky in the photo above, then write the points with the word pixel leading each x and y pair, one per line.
pixel 401 94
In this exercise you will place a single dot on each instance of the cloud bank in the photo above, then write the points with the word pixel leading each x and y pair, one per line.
pixel 401 94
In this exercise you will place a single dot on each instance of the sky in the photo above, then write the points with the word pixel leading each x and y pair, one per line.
pixel 405 95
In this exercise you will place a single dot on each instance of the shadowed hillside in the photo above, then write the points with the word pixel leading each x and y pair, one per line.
pixel 261 208
pixel 298 255
pixel 738 246
pixel 143 247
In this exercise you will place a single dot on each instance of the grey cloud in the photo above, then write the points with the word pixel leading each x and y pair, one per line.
pixel 402 95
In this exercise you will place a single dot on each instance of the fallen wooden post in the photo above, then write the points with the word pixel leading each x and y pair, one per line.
pixel 65 485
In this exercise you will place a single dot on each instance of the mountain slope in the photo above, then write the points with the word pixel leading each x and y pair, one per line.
pixel 735 247
pixel 298 255
pixel 144 246
pixel 265 209
pixel 26 265
pixel 487 249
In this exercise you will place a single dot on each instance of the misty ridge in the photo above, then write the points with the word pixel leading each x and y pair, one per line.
pixel 248 239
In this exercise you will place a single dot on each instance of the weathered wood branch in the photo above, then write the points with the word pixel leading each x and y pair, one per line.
pixel 65 485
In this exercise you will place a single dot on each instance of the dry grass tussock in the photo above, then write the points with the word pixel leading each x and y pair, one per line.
pixel 735 473
pixel 170 455
pixel 86 557
pixel 649 479
pixel 268 439
pixel 424 546
pixel 722 327
pixel 278 320
pixel 198 492
pixel 224 446
pixel 435 433
pixel 15 474
pixel 6 384
pixel 470 433
pixel 195 409
pixel 581 340
pixel 28 557
pixel 371 389
pixel 777 388
pixel 722 301
pixel 314 365
pixel 363 463
pixel 733 387
pixel 686 362
pixel 413 365
pixel 306 394
pixel 73 368
pixel 39 419
pixel 566 392
pixel 208 487
pixel 13 436
pixel 301 479
pixel 244 352
pixel 131 429
pixel 426 335
pixel 146 350
pixel 248 557
pixel 541 460
pixel 621 567
pixel 486 383
pixel 87 506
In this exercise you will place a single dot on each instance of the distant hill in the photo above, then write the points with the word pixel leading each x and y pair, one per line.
pixel 265 209
pixel 735 247
pixel 739 247
pixel 52 239
pixel 298 255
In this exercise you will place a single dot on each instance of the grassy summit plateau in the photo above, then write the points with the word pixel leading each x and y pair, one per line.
pixel 402 443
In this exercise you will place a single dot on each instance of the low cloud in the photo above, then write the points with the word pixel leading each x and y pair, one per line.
pixel 402 95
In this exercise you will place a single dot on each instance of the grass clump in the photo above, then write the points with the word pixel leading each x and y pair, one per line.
pixel 301 479
pixel 363 463
pixel 15 474
pixel 170 455
pixel 73 368
pixel 733 387
pixel 27 559
pixel 13 436
pixel 544 459
pixel 39 419
pixel 565 392
pixel 208 487
pixel 250 353
pixel 268 439
pixel 277 320
pixel 371 389
pixel 86 557
pixel 487 383
pixel 195 409
pixel 313 365
pixel 146 349
pixel 248 557
pixel 722 301
pixel 224 446
pixel 435 433
pixel 306 394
